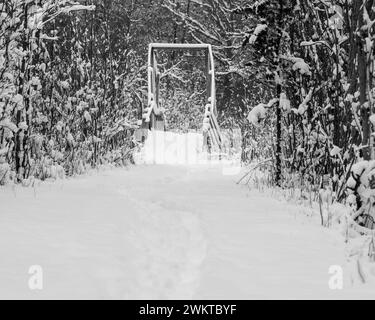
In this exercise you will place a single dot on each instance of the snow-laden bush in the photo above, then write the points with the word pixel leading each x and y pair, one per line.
pixel 361 190
pixel 259 29
pixel 4 173
pixel 257 114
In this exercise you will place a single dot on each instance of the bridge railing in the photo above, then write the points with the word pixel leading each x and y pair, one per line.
pixel 153 114
pixel 211 129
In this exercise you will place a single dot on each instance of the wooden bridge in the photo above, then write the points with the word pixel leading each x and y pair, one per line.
pixel 152 115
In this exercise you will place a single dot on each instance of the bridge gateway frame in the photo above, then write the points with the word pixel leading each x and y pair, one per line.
pixel 152 114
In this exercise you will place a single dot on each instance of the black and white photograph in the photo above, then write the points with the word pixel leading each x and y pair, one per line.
pixel 187 150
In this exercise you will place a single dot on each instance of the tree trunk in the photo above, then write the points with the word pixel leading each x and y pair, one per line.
pixel 362 74
pixel 278 110
pixel 20 137
pixel 278 139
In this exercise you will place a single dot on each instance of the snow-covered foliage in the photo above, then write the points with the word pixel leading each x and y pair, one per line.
pixel 314 73
pixel 284 102
pixel 298 64
pixel 361 190
pixel 83 80
pixel 257 114
pixel 306 55
pixel 259 28
pixel 66 86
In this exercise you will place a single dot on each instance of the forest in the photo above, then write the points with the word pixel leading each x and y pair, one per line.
pixel 277 97
pixel 294 76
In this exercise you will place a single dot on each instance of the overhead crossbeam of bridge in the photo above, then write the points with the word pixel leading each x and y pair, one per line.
pixel 152 115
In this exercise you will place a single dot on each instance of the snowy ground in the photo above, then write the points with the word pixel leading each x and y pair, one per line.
pixel 168 232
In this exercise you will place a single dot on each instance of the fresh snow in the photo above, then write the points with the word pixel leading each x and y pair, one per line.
pixel 335 151
pixel 284 102
pixel 259 28
pixel 257 114
pixel 167 232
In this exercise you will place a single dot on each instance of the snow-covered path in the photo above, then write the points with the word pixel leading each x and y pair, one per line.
pixel 167 232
